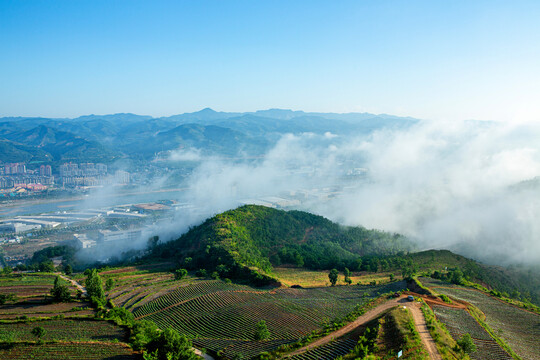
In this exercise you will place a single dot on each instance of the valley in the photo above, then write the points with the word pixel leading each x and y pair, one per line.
pixel 218 308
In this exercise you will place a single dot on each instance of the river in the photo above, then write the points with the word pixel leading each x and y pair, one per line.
pixel 31 207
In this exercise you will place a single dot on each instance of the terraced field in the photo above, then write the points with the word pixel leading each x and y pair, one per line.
pixel 250 349
pixel 520 329
pixel 459 322
pixel 134 287
pixel 63 329
pixel 28 285
pixel 69 350
pixel 220 316
pixel 32 292
pixel 39 308
pixel 329 351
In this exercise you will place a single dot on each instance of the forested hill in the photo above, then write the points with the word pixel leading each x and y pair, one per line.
pixel 262 237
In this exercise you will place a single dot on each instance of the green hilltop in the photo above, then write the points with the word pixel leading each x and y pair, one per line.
pixel 261 237
pixel 249 241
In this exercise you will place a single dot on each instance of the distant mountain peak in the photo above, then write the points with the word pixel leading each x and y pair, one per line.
pixel 207 110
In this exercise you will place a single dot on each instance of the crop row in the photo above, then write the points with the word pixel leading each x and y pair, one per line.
pixel 250 349
pixel 72 351
pixel 185 293
pixel 225 316
pixel 519 328
pixel 27 279
pixel 460 322
pixel 235 314
pixel 214 344
pixel 131 294
pixel 329 351
pixel 63 329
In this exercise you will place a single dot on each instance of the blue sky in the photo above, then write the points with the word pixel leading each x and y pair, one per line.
pixel 428 59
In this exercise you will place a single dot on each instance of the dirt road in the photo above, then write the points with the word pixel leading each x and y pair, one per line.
pixel 421 327
pixel 368 316
pixel 417 315
pixel 74 283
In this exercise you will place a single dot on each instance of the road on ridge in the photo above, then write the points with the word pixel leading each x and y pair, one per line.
pixel 421 327
pixel 417 316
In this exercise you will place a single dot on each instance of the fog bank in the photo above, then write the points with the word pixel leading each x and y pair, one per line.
pixel 446 185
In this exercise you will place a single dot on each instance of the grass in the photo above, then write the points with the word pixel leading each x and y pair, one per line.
pixel 312 278
pixel 398 324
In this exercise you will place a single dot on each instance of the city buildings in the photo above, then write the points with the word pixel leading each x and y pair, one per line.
pixel 15 175
pixel 17 179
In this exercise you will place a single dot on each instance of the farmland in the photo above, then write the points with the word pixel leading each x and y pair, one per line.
pixel 67 350
pixel 135 286
pixel 220 316
pixel 520 329
pixel 63 329
pixel 27 285
pixel 69 331
pixel 312 278
pixel 459 322
pixel 32 291
pixel 329 351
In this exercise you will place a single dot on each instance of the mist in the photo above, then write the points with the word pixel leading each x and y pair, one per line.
pixel 470 187
pixel 455 186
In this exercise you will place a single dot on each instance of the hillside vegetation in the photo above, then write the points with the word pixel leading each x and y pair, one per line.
pixel 261 237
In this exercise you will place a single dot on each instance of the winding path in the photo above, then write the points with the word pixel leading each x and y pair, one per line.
pixel 74 283
pixel 421 327
pixel 417 316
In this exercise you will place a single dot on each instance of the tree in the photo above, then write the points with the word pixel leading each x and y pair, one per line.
pixel 94 288
pixel 457 277
pixel 153 242
pixel 392 277
pixel 347 274
pixel 188 262
pixel 333 276
pixel 262 332
pixel 109 284
pixel 466 344
pixel 68 270
pixel 60 292
pixel 7 270
pixel 170 345
pixel 298 260
pixel 142 333
pixel 179 274
pixel 120 315
pixel 38 332
pixel 7 297
pixel 222 270
pixel 201 273
pixel 409 271
pixel 46 266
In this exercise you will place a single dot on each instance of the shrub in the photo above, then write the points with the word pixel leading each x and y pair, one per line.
pixel 170 345
pixel 60 292
pixel 180 274
pixel 262 332
pixel 333 276
pixel 466 344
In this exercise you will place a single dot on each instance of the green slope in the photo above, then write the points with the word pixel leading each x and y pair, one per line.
pixel 262 237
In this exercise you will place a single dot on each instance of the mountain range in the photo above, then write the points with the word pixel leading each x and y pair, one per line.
pixel 106 138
